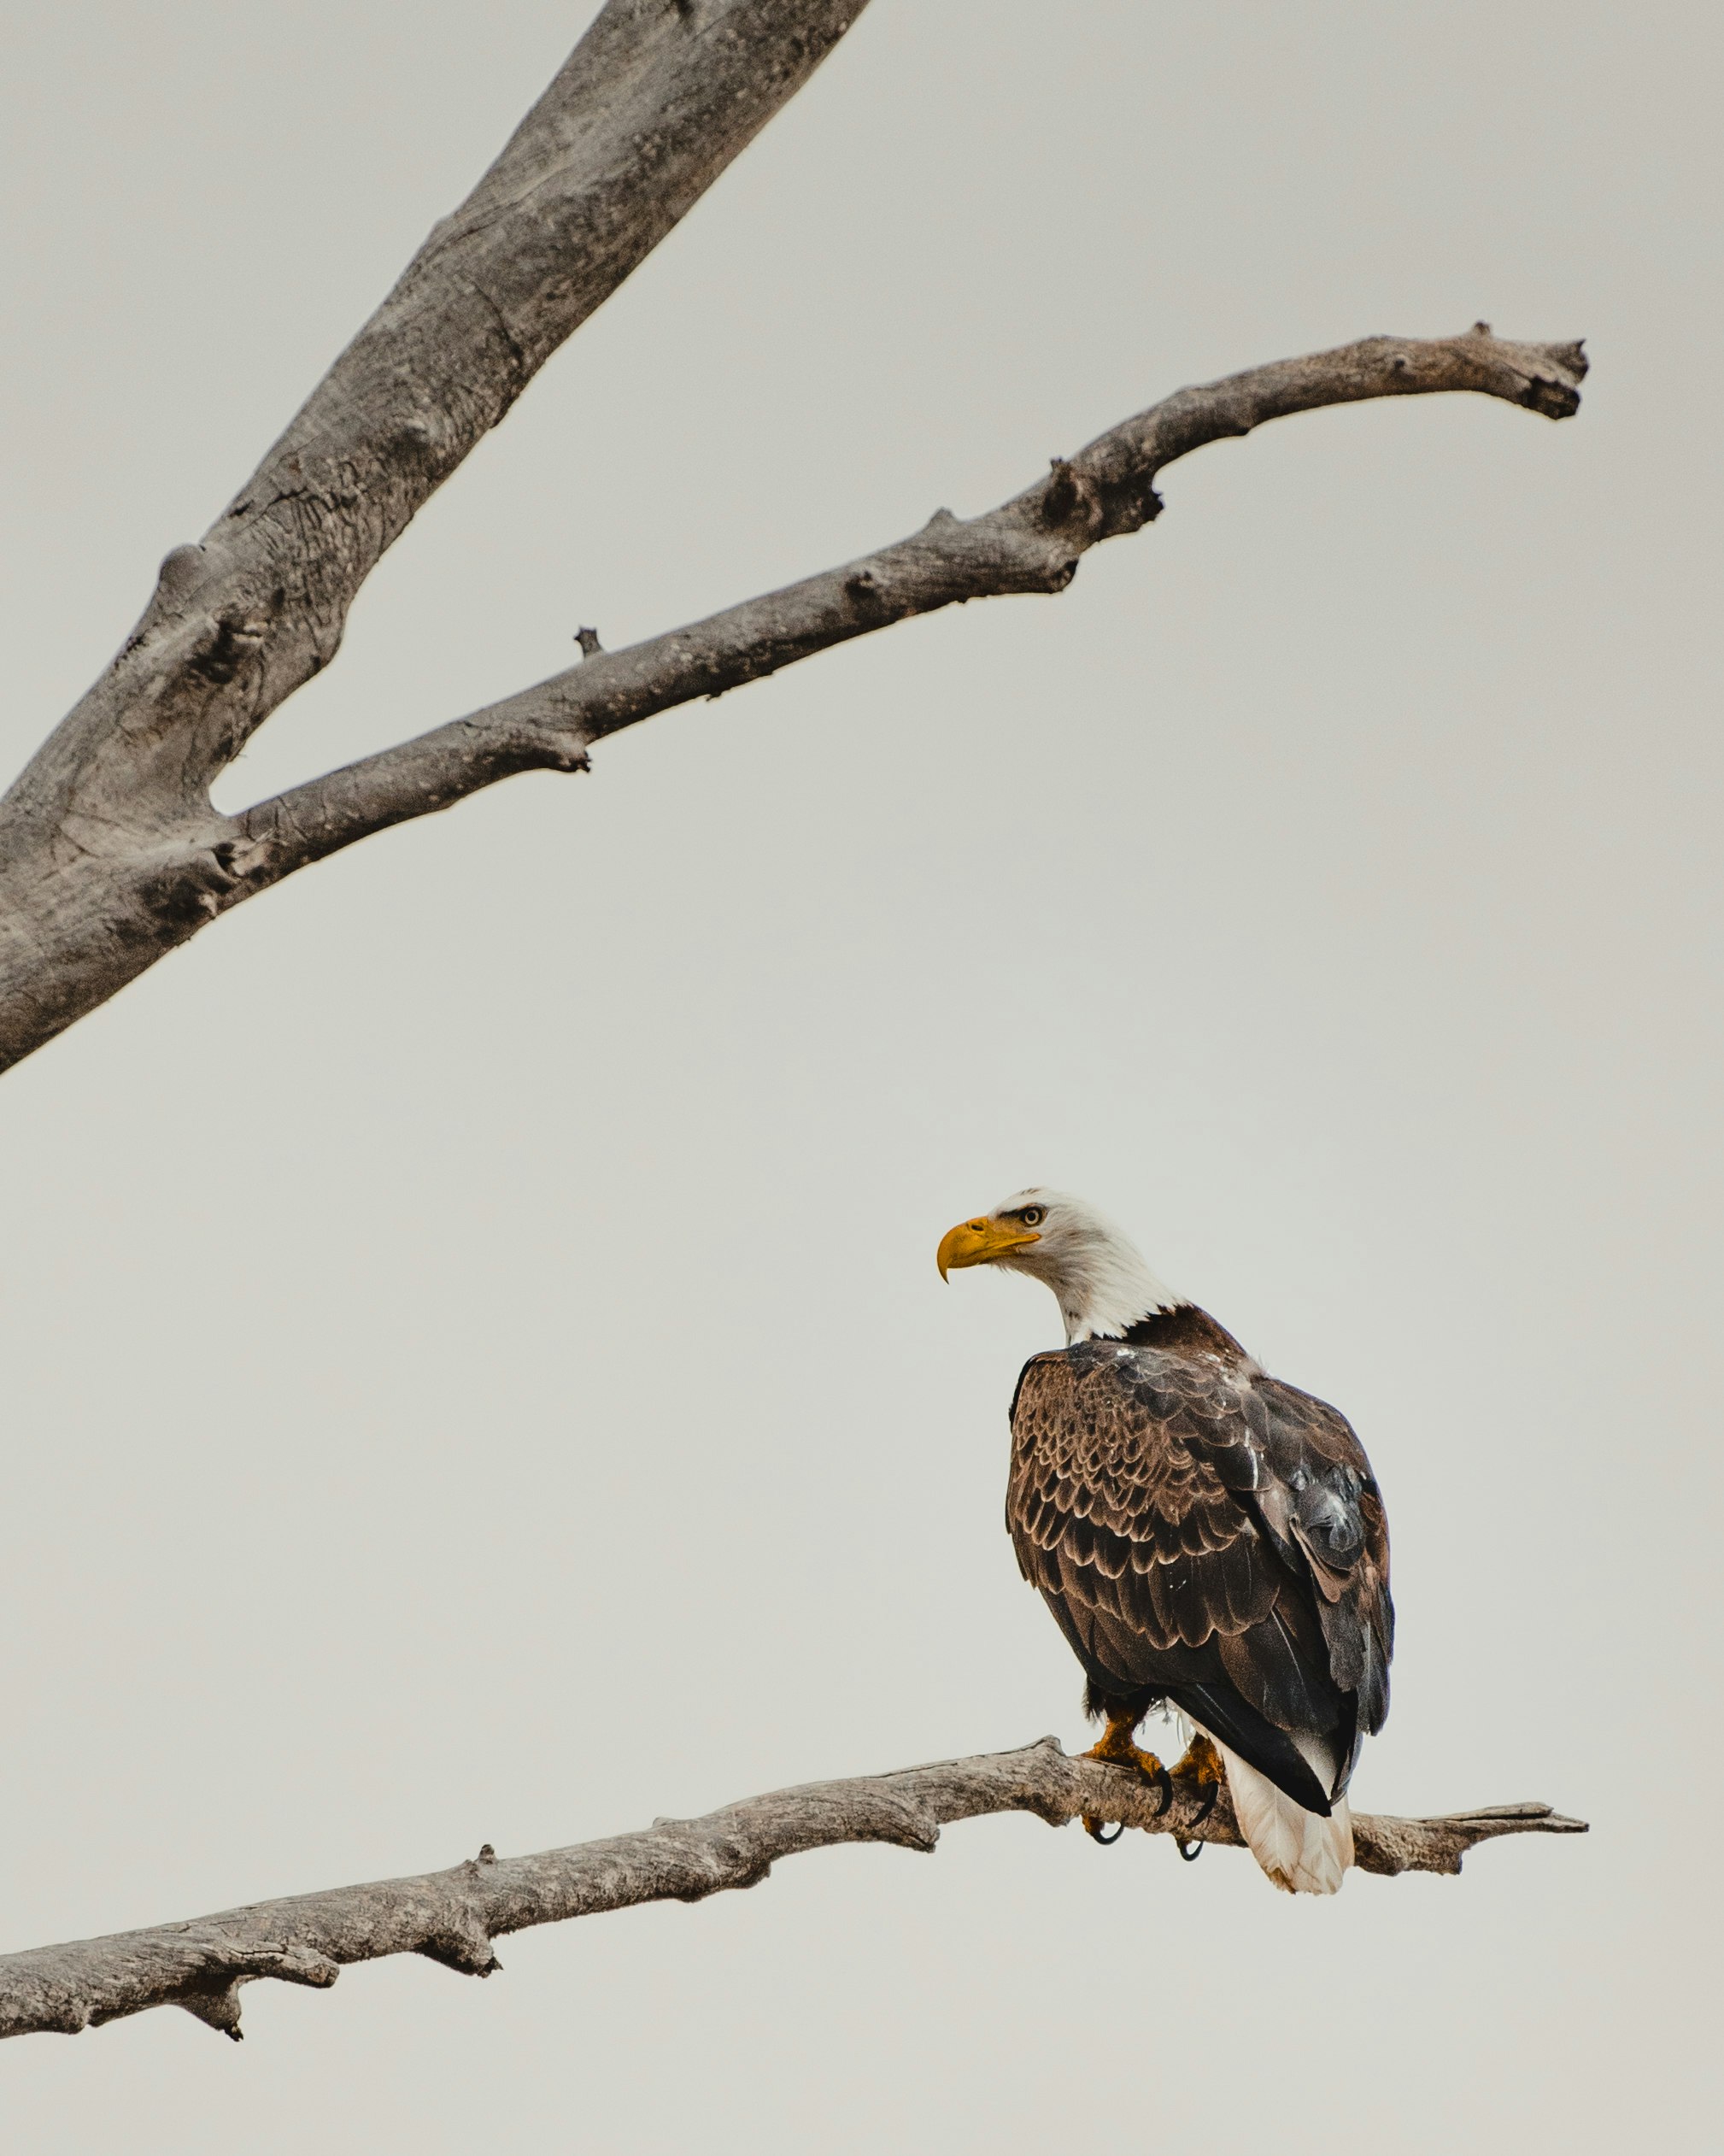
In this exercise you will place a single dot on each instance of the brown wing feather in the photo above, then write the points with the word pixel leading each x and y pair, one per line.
pixel 1319 1497
pixel 1111 1482
pixel 1194 1525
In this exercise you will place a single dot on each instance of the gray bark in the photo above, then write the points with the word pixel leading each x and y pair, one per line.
pixel 113 853
pixel 110 853
pixel 1031 543
pixel 454 1917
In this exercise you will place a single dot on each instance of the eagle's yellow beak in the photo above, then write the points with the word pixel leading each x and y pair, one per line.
pixel 973 1243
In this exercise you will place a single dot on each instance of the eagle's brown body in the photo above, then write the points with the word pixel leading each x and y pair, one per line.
pixel 1208 1536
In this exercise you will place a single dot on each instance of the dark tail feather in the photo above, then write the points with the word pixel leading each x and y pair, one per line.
pixel 1272 1751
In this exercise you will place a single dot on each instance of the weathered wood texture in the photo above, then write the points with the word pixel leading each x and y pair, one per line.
pixel 1031 543
pixel 97 902
pixel 453 1917
pixel 110 853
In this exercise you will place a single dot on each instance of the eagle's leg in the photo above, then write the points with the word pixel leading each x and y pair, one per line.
pixel 1202 1765
pixel 1118 1745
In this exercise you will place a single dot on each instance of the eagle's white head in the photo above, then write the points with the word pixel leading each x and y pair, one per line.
pixel 1095 1271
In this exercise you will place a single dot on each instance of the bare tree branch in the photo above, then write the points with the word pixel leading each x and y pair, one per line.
pixel 453 1917
pixel 106 861
pixel 111 854
pixel 1031 543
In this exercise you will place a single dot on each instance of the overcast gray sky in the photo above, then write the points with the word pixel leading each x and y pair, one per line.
pixel 474 1364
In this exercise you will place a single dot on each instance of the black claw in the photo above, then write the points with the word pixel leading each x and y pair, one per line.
pixel 1191 1851
pixel 1163 1782
pixel 1093 1829
pixel 1211 1791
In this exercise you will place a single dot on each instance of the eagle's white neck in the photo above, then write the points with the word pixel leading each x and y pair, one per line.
pixel 1106 1296
pixel 1094 1271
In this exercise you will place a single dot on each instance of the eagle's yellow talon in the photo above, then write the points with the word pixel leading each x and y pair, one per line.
pixel 1117 1747
pixel 1201 1762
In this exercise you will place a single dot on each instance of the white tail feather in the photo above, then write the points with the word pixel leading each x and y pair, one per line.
pixel 1302 1851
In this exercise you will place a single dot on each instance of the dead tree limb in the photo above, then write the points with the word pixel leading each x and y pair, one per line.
pixel 1031 543
pixel 88 920
pixel 109 852
pixel 454 1917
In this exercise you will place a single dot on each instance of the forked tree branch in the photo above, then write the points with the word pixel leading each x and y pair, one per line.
pixel 454 1917
pixel 110 854
pixel 1031 543
pixel 170 884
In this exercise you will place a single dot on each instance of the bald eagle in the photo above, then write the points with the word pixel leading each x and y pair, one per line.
pixel 1207 1537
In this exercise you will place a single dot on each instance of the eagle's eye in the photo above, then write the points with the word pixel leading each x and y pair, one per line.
pixel 1033 1215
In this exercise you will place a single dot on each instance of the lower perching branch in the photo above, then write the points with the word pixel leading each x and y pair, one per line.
pixel 453 1917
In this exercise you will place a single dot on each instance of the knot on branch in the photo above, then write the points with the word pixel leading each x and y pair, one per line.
pixel 181 571
pixel 1069 498
pixel 461 1943
pixel 183 886
pixel 862 589
pixel 229 642
pixel 212 1997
